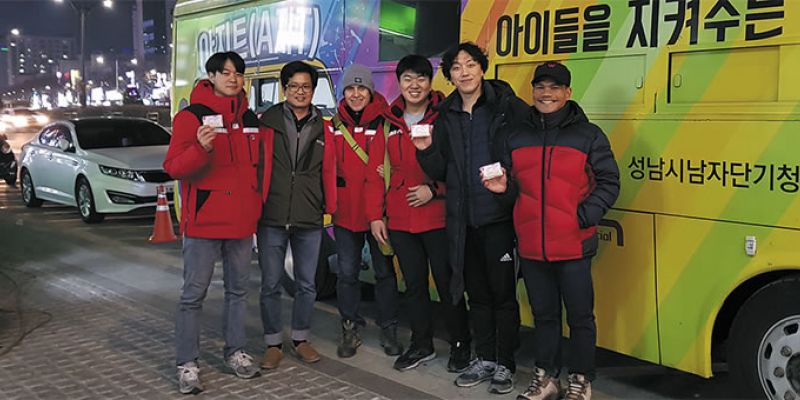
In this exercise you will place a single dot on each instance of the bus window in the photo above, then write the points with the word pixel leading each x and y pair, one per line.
pixel 417 27
pixel 324 98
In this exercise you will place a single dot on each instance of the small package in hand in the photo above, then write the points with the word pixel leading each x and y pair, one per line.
pixel 421 130
pixel 491 171
pixel 214 121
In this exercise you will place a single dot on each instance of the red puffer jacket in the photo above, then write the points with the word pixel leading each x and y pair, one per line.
pixel 563 179
pixel 406 173
pixel 221 190
pixel 351 172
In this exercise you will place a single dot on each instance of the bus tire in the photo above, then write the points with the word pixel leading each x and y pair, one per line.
pixel 764 342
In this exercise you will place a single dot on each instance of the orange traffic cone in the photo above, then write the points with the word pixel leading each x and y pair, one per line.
pixel 162 229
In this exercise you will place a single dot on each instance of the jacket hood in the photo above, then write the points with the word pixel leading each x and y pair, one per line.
pixel 493 90
pixel 373 110
pixel 398 107
pixel 231 108
pixel 575 114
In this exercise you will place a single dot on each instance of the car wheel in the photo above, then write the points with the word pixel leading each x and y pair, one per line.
pixel 28 191
pixel 764 344
pixel 85 199
pixel 11 180
pixel 325 279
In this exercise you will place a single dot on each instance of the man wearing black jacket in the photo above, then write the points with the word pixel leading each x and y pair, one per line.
pixel 467 136
pixel 563 179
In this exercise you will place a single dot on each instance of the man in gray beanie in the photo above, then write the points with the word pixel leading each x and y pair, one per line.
pixel 358 120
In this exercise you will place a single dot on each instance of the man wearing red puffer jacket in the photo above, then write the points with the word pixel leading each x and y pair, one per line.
pixel 415 211
pixel 215 151
pixel 357 123
pixel 563 180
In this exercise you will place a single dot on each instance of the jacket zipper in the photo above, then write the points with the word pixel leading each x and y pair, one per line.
pixel 291 185
pixel 544 156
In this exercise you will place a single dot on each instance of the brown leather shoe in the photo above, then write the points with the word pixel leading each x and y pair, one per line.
pixel 306 352
pixel 272 358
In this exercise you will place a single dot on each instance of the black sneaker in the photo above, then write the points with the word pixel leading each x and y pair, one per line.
pixel 413 358
pixel 391 346
pixel 350 340
pixel 460 357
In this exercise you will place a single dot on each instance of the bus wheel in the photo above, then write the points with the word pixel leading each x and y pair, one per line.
pixel 764 344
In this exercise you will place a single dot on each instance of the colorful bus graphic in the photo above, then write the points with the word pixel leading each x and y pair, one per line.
pixel 701 102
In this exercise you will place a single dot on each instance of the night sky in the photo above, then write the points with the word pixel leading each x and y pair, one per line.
pixel 106 29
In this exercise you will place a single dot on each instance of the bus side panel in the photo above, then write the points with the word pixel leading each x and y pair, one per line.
pixel 624 274
pixel 707 261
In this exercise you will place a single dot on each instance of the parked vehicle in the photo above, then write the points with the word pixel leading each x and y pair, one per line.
pixel 100 165
pixel 8 163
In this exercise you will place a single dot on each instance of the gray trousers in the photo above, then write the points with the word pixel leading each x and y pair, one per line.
pixel 199 256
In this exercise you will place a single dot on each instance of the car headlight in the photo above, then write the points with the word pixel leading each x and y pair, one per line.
pixel 128 174
pixel 42 119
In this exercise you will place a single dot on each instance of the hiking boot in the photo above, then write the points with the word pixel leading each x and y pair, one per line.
pixel 189 378
pixel 542 387
pixel 391 346
pixel 305 352
pixel 578 388
pixel 460 357
pixel 477 372
pixel 413 358
pixel 502 380
pixel 350 340
pixel 242 365
pixel 272 358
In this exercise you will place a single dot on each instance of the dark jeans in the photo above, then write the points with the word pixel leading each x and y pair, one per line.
pixel 548 283
pixel 414 252
pixel 490 279
pixel 348 287
pixel 272 245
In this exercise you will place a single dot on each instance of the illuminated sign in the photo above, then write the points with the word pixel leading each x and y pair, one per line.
pixel 264 34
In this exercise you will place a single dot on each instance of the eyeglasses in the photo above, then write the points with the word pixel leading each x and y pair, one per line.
pixel 294 88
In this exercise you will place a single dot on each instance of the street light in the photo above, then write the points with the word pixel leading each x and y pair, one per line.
pixel 82 7
pixel 15 32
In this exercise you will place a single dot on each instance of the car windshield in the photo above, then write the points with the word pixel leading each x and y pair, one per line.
pixel 103 134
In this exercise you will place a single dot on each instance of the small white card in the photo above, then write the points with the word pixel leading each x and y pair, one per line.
pixel 421 130
pixel 491 171
pixel 214 121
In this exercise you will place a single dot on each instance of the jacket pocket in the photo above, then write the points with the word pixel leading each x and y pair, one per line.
pixel 217 208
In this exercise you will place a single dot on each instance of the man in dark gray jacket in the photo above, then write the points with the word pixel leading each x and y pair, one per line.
pixel 302 186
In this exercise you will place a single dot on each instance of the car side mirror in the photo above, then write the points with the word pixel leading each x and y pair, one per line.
pixel 64 145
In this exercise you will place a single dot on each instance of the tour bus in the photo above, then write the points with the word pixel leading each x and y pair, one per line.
pixel 699 260
pixel 700 257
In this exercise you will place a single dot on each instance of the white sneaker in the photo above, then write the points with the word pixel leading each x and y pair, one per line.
pixel 243 365
pixel 189 378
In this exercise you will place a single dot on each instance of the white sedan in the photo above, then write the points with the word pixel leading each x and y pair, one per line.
pixel 101 165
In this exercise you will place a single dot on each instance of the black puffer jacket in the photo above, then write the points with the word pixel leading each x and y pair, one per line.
pixel 446 160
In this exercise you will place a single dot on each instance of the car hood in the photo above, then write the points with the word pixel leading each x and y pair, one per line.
pixel 139 158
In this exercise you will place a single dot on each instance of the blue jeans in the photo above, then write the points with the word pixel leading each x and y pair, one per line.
pixel 199 256
pixel 272 243
pixel 348 287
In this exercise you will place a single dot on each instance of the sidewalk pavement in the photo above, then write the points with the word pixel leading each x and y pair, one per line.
pixel 101 325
